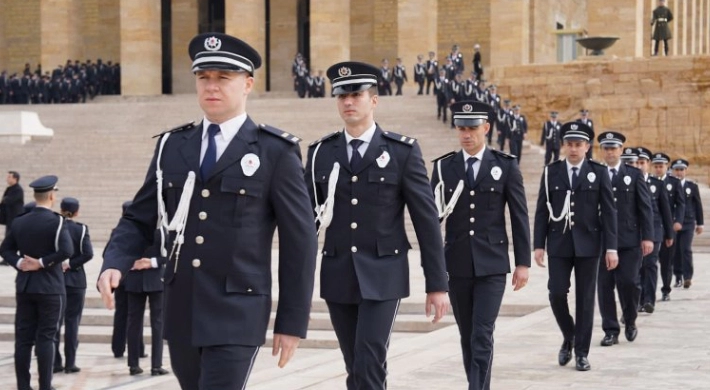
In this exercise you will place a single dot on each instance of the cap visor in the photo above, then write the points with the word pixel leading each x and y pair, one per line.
pixel 350 88
pixel 468 122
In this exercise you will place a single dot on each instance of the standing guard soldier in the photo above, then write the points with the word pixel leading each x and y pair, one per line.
pixel 662 15
pixel 385 80
pixel 432 71
pixel 584 119
pixel 692 224
pixel 662 231
pixel 223 187
pixel 576 219
pixel 476 246
pixel 551 138
pixel 676 198
pixel 442 92
pixel 504 120
pixel 400 76
pixel 634 241
pixel 360 180
pixel 518 132
pixel 36 246
pixel 420 74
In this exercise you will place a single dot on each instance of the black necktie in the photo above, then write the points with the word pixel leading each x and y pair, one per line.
pixel 355 158
pixel 575 177
pixel 210 158
pixel 613 173
pixel 469 170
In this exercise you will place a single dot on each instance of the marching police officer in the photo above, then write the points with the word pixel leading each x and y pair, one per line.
pixel 676 197
pixel 575 219
pixel 443 93
pixel 75 281
pixel 518 132
pixel 400 76
pixel 456 93
pixel 585 119
pixel 385 80
pixel 474 185
pixel 432 71
pixel 503 122
pixel 550 138
pixel 662 230
pixel 457 58
pixel 634 241
pixel 494 101
pixel 692 224
pixel 223 186
pixel 36 246
pixel 420 74
pixel 360 179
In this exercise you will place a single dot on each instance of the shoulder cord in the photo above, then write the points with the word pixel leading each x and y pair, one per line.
pixel 179 221
pixel 81 240
pixel 56 235
pixel 565 213
pixel 440 196
pixel 324 212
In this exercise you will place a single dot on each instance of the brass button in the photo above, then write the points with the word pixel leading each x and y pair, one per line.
pixel 472 220
pixel 170 184
pixel 205 193
pixel 242 191
pixel 202 215
pixel 396 251
pixel 571 204
pixel 470 233
pixel 571 223
pixel 353 249
pixel 473 206
pixel 613 189
pixel 353 225
pixel 249 289
pixel 199 240
pixel 354 179
pixel 382 179
pixel 354 202
pixel 472 193
pixel 196 263
pixel 325 252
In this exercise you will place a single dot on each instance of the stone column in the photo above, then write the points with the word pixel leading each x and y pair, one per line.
pixel 510 33
pixel 57 34
pixel 184 28
pixel 246 20
pixel 141 57
pixel 284 44
pixel 416 27
pixel 330 32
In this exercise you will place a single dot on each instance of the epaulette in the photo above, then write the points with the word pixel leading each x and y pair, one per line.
pixel 325 138
pixel 186 126
pixel 447 155
pixel 595 163
pixel 280 133
pixel 399 137
pixel 502 154
pixel 634 169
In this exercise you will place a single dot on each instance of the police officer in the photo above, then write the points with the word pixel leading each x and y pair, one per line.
pixel 223 186
pixel 550 138
pixel 432 71
pixel 360 179
pixel 476 245
pixel 456 58
pixel 662 15
pixel 36 246
pixel 585 119
pixel 662 231
pixel 634 241
pixel 420 74
pixel 442 92
pixel 456 93
pixel 400 76
pixel 477 62
pixel 494 101
pixel 385 79
pixel 576 219
pixel 75 282
pixel 676 197
pixel 504 121
pixel 692 224
pixel 518 132
pixel 12 200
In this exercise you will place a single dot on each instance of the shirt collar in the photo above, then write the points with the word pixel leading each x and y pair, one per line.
pixel 478 155
pixel 578 166
pixel 227 129
pixel 366 137
pixel 618 165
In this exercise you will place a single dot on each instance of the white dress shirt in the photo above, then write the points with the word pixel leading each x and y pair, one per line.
pixel 569 170
pixel 476 165
pixel 366 138
pixel 227 131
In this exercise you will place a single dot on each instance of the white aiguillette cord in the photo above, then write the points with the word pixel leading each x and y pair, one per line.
pixel 324 212
pixel 565 207
pixel 440 196
pixel 179 221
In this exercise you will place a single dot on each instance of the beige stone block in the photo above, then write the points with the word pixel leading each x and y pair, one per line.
pixel 648 119
pixel 627 88
pixel 678 116
pixel 141 61
pixel 330 37
pixel 593 87
pixel 184 28
pixel 465 24
pixel 620 118
pixel 656 102
pixel 284 44
pixel 649 86
pixel 633 66
pixel 695 116
pixel 416 31
pixel 251 29
pixel 669 64
pixel 21 31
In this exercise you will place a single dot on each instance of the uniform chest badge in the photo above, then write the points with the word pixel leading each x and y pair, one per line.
pixel 591 176
pixel 496 172
pixel 669 187
pixel 383 160
pixel 627 180
pixel 558 127
pixel 250 163
pixel 653 189
pixel 687 191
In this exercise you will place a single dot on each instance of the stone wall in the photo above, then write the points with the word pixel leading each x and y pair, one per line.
pixel 658 103
pixel 20 34
pixel 465 23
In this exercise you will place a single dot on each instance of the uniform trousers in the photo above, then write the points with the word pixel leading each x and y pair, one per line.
pixel 363 332
pixel 136 311
pixel 625 277
pixel 665 257
pixel 399 83
pixel 441 106
pixel 36 321
pixel 71 317
pixel 649 275
pixel 216 367
pixel 551 154
pixel 516 145
pixel 585 277
pixel 429 82
pixel 476 303
pixel 683 264
pixel 120 322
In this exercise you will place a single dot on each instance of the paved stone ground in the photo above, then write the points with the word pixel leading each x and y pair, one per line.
pixel 671 352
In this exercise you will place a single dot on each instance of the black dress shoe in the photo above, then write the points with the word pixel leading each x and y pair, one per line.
pixel 144 355
pixel 135 370
pixel 72 370
pixel 666 297
pixel 631 332
pixel 648 307
pixel 565 354
pixel 57 369
pixel 158 371
pixel 609 340
pixel 641 309
pixel 678 283
pixel 687 283
pixel 583 364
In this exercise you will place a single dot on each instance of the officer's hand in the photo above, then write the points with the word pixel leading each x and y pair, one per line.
pixel 540 257
pixel 520 277
pixel 646 247
pixel 669 243
pixel 108 281
pixel 440 301
pixel 698 230
pixel 677 226
pixel 287 345
pixel 142 264
pixel 612 260
pixel 30 264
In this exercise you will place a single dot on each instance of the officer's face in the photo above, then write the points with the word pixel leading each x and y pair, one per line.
pixel 660 169
pixel 222 95
pixel 472 139
pixel 643 165
pixel 611 154
pixel 11 181
pixel 576 150
pixel 357 108
pixel 679 173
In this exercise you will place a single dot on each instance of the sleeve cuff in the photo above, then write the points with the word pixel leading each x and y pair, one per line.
pixel 41 263
pixel 611 251
pixel 153 262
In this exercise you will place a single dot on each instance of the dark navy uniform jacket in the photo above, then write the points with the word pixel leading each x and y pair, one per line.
pixel 366 245
pixel 633 205
pixel 75 276
pixel 662 219
pixel 676 196
pixel 592 203
pixel 219 289
pixel 550 136
pixel 476 240
pixel 39 234
pixel 693 206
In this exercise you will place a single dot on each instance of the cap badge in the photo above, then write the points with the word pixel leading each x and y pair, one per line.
pixel 344 71
pixel 467 108
pixel 250 163
pixel 574 127
pixel 627 180
pixel 496 172
pixel 213 43
pixel 658 156
pixel 609 136
pixel 383 160
pixel 628 150
pixel 591 176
